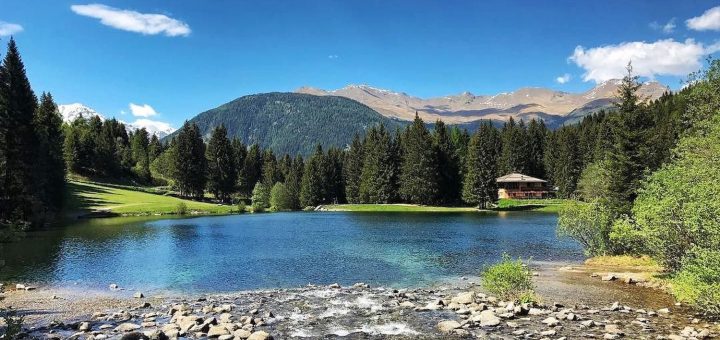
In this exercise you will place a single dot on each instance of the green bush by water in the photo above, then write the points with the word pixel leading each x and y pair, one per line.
pixel 509 280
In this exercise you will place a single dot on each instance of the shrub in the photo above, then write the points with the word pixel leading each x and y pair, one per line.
pixel 509 280
pixel 13 324
pixel 260 197
pixel 181 208
pixel 626 238
pixel 588 223
pixel 698 283
pixel 241 206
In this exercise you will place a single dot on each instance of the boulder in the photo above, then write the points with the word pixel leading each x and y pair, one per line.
pixel 84 326
pixel 551 322
pixel 488 318
pixel 448 326
pixel 464 298
pixel 260 335
pixel 134 336
pixel 127 327
pixel 242 334
pixel 217 331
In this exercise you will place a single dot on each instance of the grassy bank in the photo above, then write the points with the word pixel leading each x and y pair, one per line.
pixel 544 205
pixel 395 208
pixel 98 199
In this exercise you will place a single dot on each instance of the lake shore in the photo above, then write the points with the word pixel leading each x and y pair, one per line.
pixel 574 305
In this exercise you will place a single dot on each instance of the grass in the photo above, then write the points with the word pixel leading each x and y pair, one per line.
pixel 395 208
pixel 94 198
pixel 543 205
pixel 644 263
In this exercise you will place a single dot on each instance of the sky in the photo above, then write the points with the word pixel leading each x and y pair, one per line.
pixel 162 62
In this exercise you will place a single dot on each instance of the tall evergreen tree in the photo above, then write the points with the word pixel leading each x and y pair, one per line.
pixel 312 190
pixel 378 182
pixel 333 174
pixel 139 144
pixel 271 173
pixel 222 170
pixel 252 169
pixel 515 154
pixel 190 163
pixel 419 173
pixel 293 182
pixel 480 186
pixel 18 104
pixel 566 161
pixel 536 134
pixel 450 183
pixel 352 170
pixel 49 165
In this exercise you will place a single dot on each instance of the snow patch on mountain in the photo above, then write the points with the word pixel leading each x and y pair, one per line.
pixel 70 112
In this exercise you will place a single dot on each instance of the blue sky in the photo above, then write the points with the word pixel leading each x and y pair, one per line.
pixel 196 55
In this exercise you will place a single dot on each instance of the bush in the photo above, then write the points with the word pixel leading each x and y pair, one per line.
pixel 241 206
pixel 13 324
pixel 698 283
pixel 588 223
pixel 509 280
pixel 260 198
pixel 280 198
pixel 626 238
pixel 181 208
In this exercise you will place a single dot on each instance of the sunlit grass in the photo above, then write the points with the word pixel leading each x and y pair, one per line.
pixel 544 205
pixel 395 208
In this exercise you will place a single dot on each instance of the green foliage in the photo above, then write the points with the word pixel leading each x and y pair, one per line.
pixel 241 207
pixel 280 198
pixel 509 280
pixel 378 181
pixel 222 171
pixel 13 323
pixel 293 123
pixel 626 238
pixel 260 197
pixel 698 282
pixel 448 162
pixel 588 223
pixel 181 208
pixel 419 168
pixel 479 185
pixel 515 155
pixel 594 182
pixel 352 170
pixel 190 164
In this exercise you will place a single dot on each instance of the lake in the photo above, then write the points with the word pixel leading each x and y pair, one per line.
pixel 253 251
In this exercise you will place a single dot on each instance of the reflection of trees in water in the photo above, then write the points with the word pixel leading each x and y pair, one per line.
pixel 35 255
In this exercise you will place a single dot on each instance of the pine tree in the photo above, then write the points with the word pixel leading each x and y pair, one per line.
pixel 49 165
pixel 252 169
pixel 139 144
pixel 271 173
pixel 450 183
pixel 222 170
pixel 378 181
pixel 480 186
pixel 333 174
pixel 566 162
pixel 18 104
pixel 419 170
pixel 629 152
pixel 190 163
pixel 312 186
pixel 536 134
pixel 515 154
pixel 155 148
pixel 293 182
pixel 352 170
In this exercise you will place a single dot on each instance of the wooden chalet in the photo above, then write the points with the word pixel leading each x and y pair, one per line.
pixel 519 186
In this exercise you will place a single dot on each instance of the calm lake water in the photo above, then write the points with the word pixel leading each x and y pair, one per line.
pixel 229 253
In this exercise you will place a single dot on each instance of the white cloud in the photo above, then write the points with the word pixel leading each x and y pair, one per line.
pixel 161 129
pixel 333 56
pixel 663 57
pixel 145 23
pixel 668 28
pixel 708 21
pixel 144 110
pixel 7 28
pixel 563 78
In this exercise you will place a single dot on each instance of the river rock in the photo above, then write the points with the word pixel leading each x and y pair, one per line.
pixel 664 311
pixel 242 333
pixel 464 298
pixel 548 332
pixel 488 319
pixel 217 331
pixel 613 329
pixel 139 295
pixel 127 327
pixel 260 335
pixel 134 336
pixel 448 326
pixel 551 321
pixel 84 326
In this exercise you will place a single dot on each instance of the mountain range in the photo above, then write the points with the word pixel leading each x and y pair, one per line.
pixel 70 112
pixel 554 107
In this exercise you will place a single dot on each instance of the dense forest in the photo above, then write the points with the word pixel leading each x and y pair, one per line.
pixel 292 123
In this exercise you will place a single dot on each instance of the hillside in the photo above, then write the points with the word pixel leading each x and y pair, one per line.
pixel 292 122
pixel 555 107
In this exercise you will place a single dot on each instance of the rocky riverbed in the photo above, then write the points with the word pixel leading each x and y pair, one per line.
pixel 460 310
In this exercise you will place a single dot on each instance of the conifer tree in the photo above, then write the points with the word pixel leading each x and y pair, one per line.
pixel 18 104
pixel 352 170
pixel 155 148
pixel 222 170
pixel 480 186
pixel 419 173
pixel 190 163
pixel 333 173
pixel 139 144
pixel 378 182
pixel 514 156
pixel 313 182
pixel 271 173
pixel 536 134
pixel 49 165
pixel 252 169
pixel 293 182
pixel 450 183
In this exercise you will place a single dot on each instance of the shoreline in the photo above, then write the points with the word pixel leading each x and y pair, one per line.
pixel 361 311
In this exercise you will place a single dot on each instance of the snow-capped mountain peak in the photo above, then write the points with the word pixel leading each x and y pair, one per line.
pixel 70 112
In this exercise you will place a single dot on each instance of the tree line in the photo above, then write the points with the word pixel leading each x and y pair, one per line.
pixel 32 167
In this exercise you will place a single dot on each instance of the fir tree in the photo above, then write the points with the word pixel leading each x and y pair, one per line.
pixel 313 182
pixel 49 165
pixel 378 181
pixel 450 183
pixel 479 185
pixel 251 169
pixel 419 170
pixel 222 170
pixel 18 104
pixel 352 170
pixel 515 154
pixel 139 143
pixel 536 134
pixel 190 163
